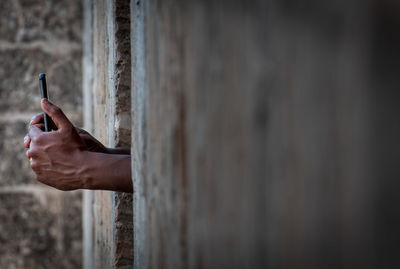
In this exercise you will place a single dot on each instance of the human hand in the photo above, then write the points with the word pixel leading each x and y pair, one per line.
pixel 56 157
pixel 92 144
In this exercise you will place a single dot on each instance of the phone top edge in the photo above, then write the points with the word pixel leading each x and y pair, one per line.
pixel 42 75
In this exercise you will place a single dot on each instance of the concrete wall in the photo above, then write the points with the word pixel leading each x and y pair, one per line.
pixel 39 227
pixel 107 215
pixel 265 134
pixel 200 85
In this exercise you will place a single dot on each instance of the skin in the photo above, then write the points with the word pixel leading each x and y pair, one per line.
pixel 69 158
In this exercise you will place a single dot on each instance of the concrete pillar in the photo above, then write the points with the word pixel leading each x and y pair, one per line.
pixel 199 79
pixel 107 215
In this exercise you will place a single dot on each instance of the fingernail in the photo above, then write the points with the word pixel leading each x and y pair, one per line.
pixel 25 138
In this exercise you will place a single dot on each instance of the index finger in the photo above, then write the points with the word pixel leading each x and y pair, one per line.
pixel 38 118
pixel 34 132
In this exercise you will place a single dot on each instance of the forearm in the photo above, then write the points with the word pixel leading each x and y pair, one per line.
pixel 107 172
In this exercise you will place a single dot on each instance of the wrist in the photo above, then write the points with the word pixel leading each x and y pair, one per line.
pixel 85 173
pixel 93 164
pixel 106 172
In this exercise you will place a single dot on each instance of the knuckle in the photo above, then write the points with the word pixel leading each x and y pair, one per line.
pixel 31 153
pixel 35 166
pixel 68 129
pixel 26 141
pixel 68 132
pixel 38 139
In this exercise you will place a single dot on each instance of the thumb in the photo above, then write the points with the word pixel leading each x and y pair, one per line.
pixel 56 114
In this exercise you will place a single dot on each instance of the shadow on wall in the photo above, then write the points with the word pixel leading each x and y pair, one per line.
pixel 40 227
pixel 333 128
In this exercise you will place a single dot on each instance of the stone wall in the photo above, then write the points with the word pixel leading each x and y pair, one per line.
pixel 40 227
pixel 107 215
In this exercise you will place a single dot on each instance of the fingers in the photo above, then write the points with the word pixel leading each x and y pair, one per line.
pixel 27 141
pixel 56 114
pixel 34 132
pixel 38 118
pixel 31 155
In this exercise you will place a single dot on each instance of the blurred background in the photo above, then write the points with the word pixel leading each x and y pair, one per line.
pixel 333 156
pixel 39 227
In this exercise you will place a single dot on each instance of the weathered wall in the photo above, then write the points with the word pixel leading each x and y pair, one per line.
pixel 39 227
pixel 107 215
pixel 265 134
pixel 200 85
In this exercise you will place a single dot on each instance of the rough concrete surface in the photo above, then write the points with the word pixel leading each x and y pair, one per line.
pixel 265 134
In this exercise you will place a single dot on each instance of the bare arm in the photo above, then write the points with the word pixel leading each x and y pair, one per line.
pixel 107 172
pixel 62 159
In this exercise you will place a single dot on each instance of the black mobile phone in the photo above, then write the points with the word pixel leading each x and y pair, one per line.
pixel 48 123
